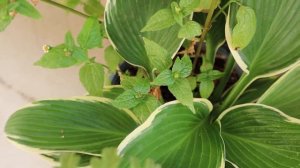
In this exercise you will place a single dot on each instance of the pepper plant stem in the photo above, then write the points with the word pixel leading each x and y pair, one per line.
pixel 65 8
pixel 207 26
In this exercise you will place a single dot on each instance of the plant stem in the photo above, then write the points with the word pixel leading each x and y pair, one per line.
pixel 222 10
pixel 65 8
pixel 223 81
pixel 207 26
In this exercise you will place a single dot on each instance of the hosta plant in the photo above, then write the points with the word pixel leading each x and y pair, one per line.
pixel 175 102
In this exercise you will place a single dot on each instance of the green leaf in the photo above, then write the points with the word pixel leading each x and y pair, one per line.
pixel 92 78
pixel 158 56
pixel 110 159
pixel 205 5
pixel 69 160
pixel 181 89
pixel 6 16
pixel 124 29
pixel 193 82
pixel 112 58
pixel 112 92
pixel 174 137
pixel 260 136
pixel 57 57
pixel 160 20
pixel 25 8
pixel 206 88
pixel 165 78
pixel 215 74
pixel 177 13
pixel 79 54
pixel 146 107
pixel 189 5
pixel 189 30
pixel 69 41
pixel 56 157
pixel 93 8
pixel 256 90
pixel 275 45
pixel 128 99
pixel 284 93
pixel 215 38
pixel 210 75
pixel 245 28
pixel 85 125
pixel 182 68
pixel 90 35
pixel 137 84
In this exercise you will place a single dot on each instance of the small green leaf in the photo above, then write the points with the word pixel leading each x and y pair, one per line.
pixel 245 28
pixel 113 91
pixel 69 160
pixel 215 74
pixel 57 57
pixel 158 56
pixel 80 54
pixel 181 89
pixel 210 75
pixel 93 8
pixel 146 107
pixel 189 30
pixel 25 8
pixel 69 41
pixel 128 99
pixel 165 78
pixel 182 68
pixel 109 159
pixel 112 58
pixel 160 20
pixel 92 78
pixel 137 84
pixel 5 14
pixel 90 35
pixel 189 5
pixel 177 13
pixel 193 82
pixel 206 88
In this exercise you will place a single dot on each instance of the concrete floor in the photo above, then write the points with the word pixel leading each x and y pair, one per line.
pixel 21 82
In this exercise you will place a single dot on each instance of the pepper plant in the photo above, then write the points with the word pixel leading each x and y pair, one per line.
pixel 176 108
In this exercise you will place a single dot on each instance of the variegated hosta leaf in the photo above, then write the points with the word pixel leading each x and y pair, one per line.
pixel 276 43
pixel 259 136
pixel 256 90
pixel 84 125
pixel 175 137
pixel 285 93
pixel 124 20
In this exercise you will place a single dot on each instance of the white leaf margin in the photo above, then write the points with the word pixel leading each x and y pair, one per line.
pixel 238 58
pixel 287 118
